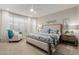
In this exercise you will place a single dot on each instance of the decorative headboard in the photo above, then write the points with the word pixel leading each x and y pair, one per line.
pixel 56 26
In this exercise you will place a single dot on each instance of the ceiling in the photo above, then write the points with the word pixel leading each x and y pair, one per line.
pixel 41 9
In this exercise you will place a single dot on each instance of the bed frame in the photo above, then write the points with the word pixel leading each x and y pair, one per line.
pixel 44 46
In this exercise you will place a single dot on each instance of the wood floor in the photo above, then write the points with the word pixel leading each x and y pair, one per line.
pixel 22 48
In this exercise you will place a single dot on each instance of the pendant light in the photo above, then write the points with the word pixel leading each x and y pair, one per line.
pixel 32 10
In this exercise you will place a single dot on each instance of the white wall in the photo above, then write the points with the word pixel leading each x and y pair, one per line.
pixel 59 16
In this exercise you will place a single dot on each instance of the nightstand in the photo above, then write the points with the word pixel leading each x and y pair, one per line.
pixel 69 39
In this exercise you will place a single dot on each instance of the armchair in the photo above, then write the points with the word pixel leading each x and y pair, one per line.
pixel 14 36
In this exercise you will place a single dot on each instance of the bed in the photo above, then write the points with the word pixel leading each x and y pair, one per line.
pixel 47 39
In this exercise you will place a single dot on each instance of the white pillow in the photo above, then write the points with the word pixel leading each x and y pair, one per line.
pixel 45 30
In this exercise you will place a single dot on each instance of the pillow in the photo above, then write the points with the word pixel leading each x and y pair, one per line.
pixel 45 30
pixel 10 34
pixel 54 31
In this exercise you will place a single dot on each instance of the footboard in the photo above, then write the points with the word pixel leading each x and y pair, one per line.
pixel 46 47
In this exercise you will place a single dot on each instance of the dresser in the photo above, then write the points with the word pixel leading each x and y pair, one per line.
pixel 69 39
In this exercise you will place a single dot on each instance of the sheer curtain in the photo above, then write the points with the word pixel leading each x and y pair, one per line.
pixel 23 24
pixel 18 23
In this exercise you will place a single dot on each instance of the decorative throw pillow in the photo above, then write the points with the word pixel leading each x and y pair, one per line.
pixel 10 34
pixel 53 31
pixel 45 30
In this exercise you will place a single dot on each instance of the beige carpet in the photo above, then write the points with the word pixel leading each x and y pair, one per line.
pixel 20 48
